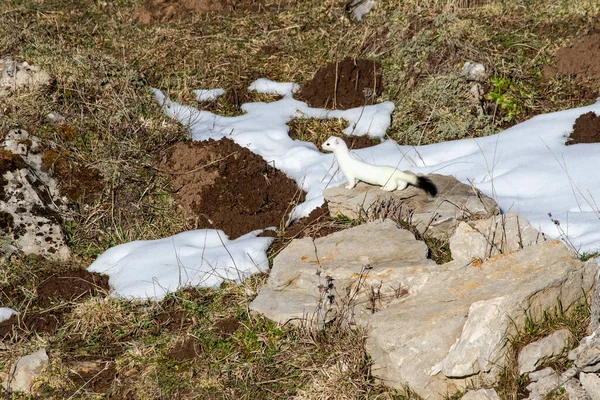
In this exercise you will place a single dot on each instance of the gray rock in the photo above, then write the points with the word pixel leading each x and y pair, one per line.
pixel 24 371
pixel 15 75
pixel 542 373
pixel 474 72
pixel 433 339
pixel 575 390
pixel 481 394
pixel 368 266
pixel 359 8
pixel 535 354
pixel 31 197
pixel 433 216
pixel 591 384
pixel 586 356
pixel 55 118
pixel 500 234
pixel 539 389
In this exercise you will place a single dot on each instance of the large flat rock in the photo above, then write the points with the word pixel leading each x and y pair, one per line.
pixel 455 329
pixel 368 266
pixel 432 216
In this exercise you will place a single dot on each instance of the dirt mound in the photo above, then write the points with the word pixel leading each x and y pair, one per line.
pixel 581 60
pixel 76 181
pixel 586 129
pixel 228 187
pixel 71 285
pixel 96 376
pixel 345 84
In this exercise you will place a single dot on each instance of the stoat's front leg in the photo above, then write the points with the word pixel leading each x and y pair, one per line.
pixel 351 182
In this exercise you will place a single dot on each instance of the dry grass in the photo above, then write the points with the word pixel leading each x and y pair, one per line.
pixel 103 64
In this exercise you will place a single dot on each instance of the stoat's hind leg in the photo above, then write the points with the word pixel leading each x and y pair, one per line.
pixel 390 185
pixel 401 184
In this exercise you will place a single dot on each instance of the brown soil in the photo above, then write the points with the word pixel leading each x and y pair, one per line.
pixel 228 187
pixel 586 129
pixel 71 285
pixel 97 376
pixel 76 181
pixel 227 326
pixel 184 350
pixel 170 320
pixel 345 84
pixel 581 60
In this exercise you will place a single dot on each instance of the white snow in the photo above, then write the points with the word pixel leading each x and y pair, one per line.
pixel 149 269
pixel 526 169
pixel 6 313
pixel 208 94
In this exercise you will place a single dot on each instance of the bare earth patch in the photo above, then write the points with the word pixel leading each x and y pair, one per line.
pixel 581 60
pixel 344 84
pixel 228 187
pixel 586 129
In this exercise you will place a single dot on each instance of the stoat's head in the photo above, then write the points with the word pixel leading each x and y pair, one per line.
pixel 333 143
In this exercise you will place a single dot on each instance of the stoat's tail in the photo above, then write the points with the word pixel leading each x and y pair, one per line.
pixel 426 184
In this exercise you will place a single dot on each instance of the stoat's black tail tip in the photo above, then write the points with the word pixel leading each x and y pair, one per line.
pixel 426 184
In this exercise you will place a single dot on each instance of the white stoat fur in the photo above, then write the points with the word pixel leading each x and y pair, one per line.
pixel 389 178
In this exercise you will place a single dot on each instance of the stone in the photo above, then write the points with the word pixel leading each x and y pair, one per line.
pixel 575 390
pixel 29 199
pixel 537 375
pixel 591 384
pixel 537 353
pixel 586 356
pixel 481 394
pixel 55 118
pixel 481 239
pixel 23 372
pixel 369 265
pixel 359 8
pixel 539 389
pixel 437 338
pixel 431 216
pixel 474 72
pixel 15 75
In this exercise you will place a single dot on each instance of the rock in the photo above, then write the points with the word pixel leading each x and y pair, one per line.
pixel 474 72
pixel 55 118
pixel 24 371
pixel 369 266
pixel 435 338
pixel 433 216
pixel 591 384
pixel 539 389
pixel 595 306
pixel 481 239
pixel 359 8
pixel 15 75
pixel 575 390
pixel 30 206
pixel 586 356
pixel 535 354
pixel 537 375
pixel 481 394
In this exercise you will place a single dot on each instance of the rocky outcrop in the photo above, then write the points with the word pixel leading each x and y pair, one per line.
pixel 30 206
pixel 431 327
pixel 431 216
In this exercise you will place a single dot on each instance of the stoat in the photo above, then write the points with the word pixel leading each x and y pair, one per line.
pixel 389 178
